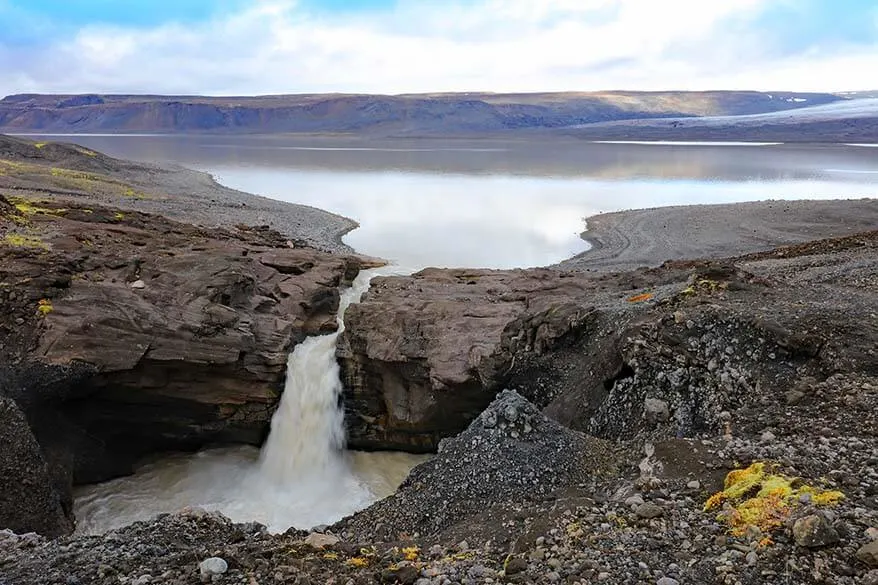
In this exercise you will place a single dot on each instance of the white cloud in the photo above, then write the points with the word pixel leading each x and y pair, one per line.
pixel 276 46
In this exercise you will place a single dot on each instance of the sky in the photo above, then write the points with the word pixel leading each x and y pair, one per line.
pixel 247 47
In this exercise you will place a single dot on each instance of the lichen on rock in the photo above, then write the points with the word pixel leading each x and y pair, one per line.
pixel 755 497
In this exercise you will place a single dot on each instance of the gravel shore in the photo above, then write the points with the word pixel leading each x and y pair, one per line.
pixel 195 197
pixel 75 173
pixel 647 237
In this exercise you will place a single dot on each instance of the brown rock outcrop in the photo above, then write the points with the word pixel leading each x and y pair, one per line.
pixel 423 355
pixel 178 335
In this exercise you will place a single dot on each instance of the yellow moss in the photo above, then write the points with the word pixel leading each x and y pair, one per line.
pixel 31 207
pixel 44 307
pixel 40 145
pixel 22 241
pixel 129 192
pixel 358 562
pixel 71 174
pixel 8 165
pixel 755 498
pixel 330 556
pixel 411 553
pixel 775 485
pixel 715 501
pixel 461 556
pixel 822 498
pixel 704 284
pixel 86 151
pixel 763 512
pixel 119 216
pixel 742 481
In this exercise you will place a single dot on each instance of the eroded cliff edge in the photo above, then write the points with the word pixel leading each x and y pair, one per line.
pixel 125 334
pixel 670 348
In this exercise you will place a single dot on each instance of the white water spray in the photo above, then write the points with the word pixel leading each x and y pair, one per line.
pixel 302 478
pixel 307 431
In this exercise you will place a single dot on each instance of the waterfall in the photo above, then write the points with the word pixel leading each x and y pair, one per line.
pixel 307 431
pixel 302 477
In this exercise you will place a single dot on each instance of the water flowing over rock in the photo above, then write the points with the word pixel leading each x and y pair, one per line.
pixel 307 431
pixel 302 477
pixel 107 372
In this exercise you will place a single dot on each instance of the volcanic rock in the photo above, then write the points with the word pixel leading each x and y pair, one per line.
pixel 814 531
pixel 28 500
pixel 510 454
pixel 868 553
pixel 422 355
pixel 107 372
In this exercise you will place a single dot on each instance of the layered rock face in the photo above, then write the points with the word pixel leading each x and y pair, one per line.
pixel 423 355
pixel 668 350
pixel 126 334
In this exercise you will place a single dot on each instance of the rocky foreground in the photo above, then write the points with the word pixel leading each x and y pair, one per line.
pixel 635 395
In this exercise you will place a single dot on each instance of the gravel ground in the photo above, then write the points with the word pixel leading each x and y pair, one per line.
pixel 76 173
pixel 647 237
pixel 195 197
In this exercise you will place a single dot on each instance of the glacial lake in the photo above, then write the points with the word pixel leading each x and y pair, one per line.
pixel 495 203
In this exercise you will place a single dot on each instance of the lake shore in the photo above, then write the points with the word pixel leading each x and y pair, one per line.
pixel 622 240
pixel 627 240
pixel 69 171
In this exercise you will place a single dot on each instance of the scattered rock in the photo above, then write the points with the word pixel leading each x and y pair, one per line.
pixel 321 540
pixel 515 566
pixel 814 531
pixel 648 510
pixel 656 411
pixel 868 553
pixel 634 501
pixel 511 453
pixel 406 575
pixel 138 284
pixel 212 566
pixel 793 397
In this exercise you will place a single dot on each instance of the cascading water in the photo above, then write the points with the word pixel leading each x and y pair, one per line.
pixel 307 431
pixel 301 478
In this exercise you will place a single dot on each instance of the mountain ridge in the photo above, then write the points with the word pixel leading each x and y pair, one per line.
pixel 434 114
